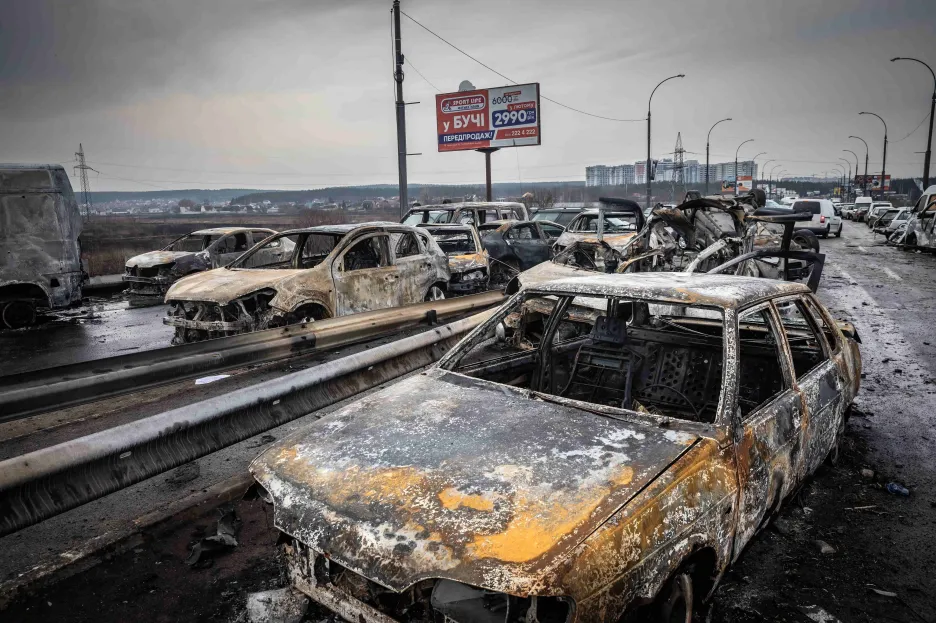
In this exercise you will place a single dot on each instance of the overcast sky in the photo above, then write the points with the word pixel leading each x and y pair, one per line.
pixel 299 93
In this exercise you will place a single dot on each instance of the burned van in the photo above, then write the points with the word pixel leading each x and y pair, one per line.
pixel 40 267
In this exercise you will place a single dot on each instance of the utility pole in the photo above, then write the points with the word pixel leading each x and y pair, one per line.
pixel 82 169
pixel 707 141
pixel 929 140
pixel 851 180
pixel 400 107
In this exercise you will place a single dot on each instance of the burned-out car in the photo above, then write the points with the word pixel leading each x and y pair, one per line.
pixel 468 262
pixel 597 448
pixel 515 246
pixel 153 272
pixel 309 274
pixel 617 225
pixel 466 213
pixel 699 235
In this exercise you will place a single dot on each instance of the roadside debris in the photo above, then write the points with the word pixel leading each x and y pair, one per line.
pixel 824 548
pixel 897 489
pixel 184 473
pixel 815 613
pixel 211 379
pixel 283 605
pixel 225 538
pixel 867 473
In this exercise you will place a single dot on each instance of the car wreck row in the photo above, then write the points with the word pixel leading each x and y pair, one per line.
pixel 602 446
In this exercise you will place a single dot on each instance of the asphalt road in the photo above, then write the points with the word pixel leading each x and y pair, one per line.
pixel 102 327
pixel 880 570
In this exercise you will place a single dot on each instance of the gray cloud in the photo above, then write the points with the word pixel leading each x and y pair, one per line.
pixel 299 93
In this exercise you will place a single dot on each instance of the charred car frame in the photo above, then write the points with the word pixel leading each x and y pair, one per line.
pixel 304 275
pixel 599 447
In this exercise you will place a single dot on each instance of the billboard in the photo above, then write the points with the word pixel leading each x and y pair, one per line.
pixel 874 182
pixel 727 186
pixel 745 183
pixel 501 117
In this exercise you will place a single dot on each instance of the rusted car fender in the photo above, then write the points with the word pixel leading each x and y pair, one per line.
pixel 635 552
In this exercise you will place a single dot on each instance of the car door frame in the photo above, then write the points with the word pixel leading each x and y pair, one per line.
pixel 531 252
pixel 416 274
pixel 223 259
pixel 822 389
pixel 774 428
pixel 381 280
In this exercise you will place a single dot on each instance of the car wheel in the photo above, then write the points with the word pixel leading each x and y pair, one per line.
pixel 806 240
pixel 838 234
pixel 825 234
pixel 676 600
pixel 435 293
pixel 18 314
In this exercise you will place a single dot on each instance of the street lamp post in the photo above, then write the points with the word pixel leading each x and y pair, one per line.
pixel 764 169
pixel 649 165
pixel 707 141
pixel 864 182
pixel 770 179
pixel 841 178
pixel 884 158
pixel 852 179
pixel 929 140
pixel 754 169
pixel 848 162
pixel 736 164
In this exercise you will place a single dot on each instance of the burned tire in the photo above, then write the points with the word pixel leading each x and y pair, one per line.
pixel 675 603
pixel 435 293
pixel 806 239
pixel 18 314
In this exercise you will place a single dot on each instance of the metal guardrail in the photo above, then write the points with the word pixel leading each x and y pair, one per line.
pixel 29 393
pixel 46 482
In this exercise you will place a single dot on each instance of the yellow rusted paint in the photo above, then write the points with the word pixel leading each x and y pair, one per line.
pixel 538 523
pixel 453 499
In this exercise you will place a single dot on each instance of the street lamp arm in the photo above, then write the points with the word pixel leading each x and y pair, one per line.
pixel 740 146
pixel 708 138
pixel 878 116
pixel 658 86
pixel 907 58
pixel 862 140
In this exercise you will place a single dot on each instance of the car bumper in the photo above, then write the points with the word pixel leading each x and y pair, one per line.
pixel 468 287
pixel 205 325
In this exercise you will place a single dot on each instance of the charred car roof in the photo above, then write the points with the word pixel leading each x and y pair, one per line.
pixel 223 231
pixel 726 291
pixel 345 228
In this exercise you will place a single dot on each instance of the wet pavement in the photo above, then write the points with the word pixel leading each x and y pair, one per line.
pixel 882 555
pixel 102 327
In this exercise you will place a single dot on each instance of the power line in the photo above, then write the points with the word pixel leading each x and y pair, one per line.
pixel 510 80
pixel 914 130
pixel 407 61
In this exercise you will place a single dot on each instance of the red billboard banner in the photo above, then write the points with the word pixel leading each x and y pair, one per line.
pixel 874 181
pixel 485 118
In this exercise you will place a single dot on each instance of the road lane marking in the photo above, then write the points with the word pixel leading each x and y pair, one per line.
pixel 891 274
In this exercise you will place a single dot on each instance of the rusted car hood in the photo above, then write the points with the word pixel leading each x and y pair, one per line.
pixel 222 285
pixel 156 258
pixel 463 263
pixel 445 476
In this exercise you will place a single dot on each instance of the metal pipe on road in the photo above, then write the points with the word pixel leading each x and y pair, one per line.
pixel 28 393
pixel 46 482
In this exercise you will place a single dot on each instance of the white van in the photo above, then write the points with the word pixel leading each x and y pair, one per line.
pixel 824 220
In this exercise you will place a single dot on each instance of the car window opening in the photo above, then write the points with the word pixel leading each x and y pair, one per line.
pixel 191 243
pixel 458 243
pixel 658 359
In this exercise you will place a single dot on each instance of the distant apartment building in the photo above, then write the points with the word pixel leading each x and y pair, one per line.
pixel 693 172
pixel 613 175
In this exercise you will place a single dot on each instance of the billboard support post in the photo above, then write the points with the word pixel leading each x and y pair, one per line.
pixel 487 151
pixel 400 108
